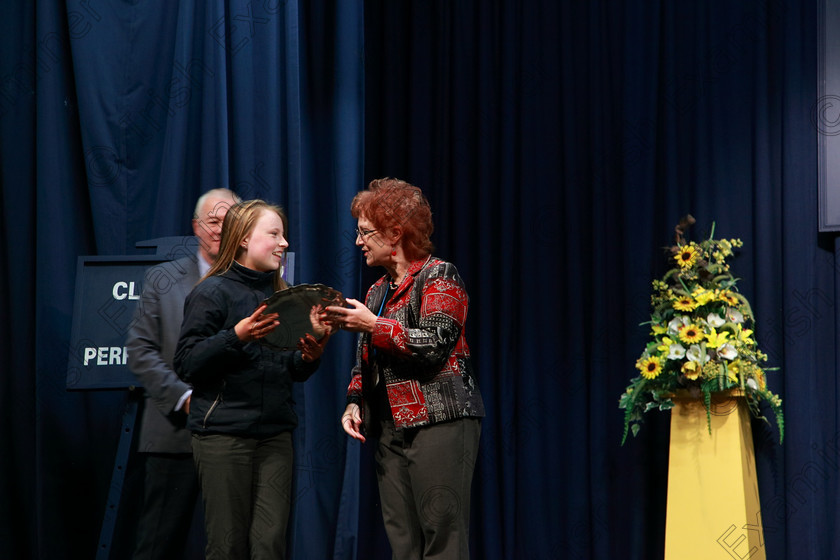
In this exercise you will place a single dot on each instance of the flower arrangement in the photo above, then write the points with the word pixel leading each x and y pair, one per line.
pixel 702 339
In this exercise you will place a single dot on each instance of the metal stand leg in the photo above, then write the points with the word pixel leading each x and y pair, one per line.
pixel 106 534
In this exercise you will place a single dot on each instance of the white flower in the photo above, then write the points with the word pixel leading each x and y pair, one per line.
pixel 697 353
pixel 677 323
pixel 728 352
pixel 752 384
pixel 676 352
pixel 714 320
pixel 734 315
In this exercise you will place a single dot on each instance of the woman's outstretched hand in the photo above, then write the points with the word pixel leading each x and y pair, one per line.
pixel 351 421
pixel 356 318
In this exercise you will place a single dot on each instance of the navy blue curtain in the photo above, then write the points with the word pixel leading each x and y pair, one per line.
pixel 558 142
pixel 116 116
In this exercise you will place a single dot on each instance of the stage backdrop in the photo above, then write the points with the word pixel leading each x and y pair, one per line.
pixel 559 144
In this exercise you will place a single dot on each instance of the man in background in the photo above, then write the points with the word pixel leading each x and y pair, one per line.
pixel 171 487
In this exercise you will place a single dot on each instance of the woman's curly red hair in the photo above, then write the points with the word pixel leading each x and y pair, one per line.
pixel 391 202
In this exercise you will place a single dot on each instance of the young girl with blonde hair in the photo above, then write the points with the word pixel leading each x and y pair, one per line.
pixel 241 414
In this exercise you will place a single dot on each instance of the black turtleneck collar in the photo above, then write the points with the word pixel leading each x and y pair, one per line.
pixel 251 276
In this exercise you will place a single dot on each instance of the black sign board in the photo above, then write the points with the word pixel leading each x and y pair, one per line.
pixel 107 291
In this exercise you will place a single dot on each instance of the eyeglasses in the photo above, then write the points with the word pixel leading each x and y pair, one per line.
pixel 364 232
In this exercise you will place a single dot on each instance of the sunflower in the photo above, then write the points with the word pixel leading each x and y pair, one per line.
pixel 691 333
pixel 685 303
pixel 650 366
pixel 686 256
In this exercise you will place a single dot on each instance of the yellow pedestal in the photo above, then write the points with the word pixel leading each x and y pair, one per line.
pixel 713 506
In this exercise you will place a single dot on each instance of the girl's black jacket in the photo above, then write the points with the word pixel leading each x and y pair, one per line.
pixel 238 388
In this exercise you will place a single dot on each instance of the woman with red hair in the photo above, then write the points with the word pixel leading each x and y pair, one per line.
pixel 413 387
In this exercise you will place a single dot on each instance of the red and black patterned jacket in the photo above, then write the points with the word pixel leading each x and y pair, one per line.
pixel 418 349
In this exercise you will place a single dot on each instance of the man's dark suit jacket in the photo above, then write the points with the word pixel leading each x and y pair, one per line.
pixel 151 343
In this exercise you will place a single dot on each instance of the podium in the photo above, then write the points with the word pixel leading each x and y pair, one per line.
pixel 713 504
